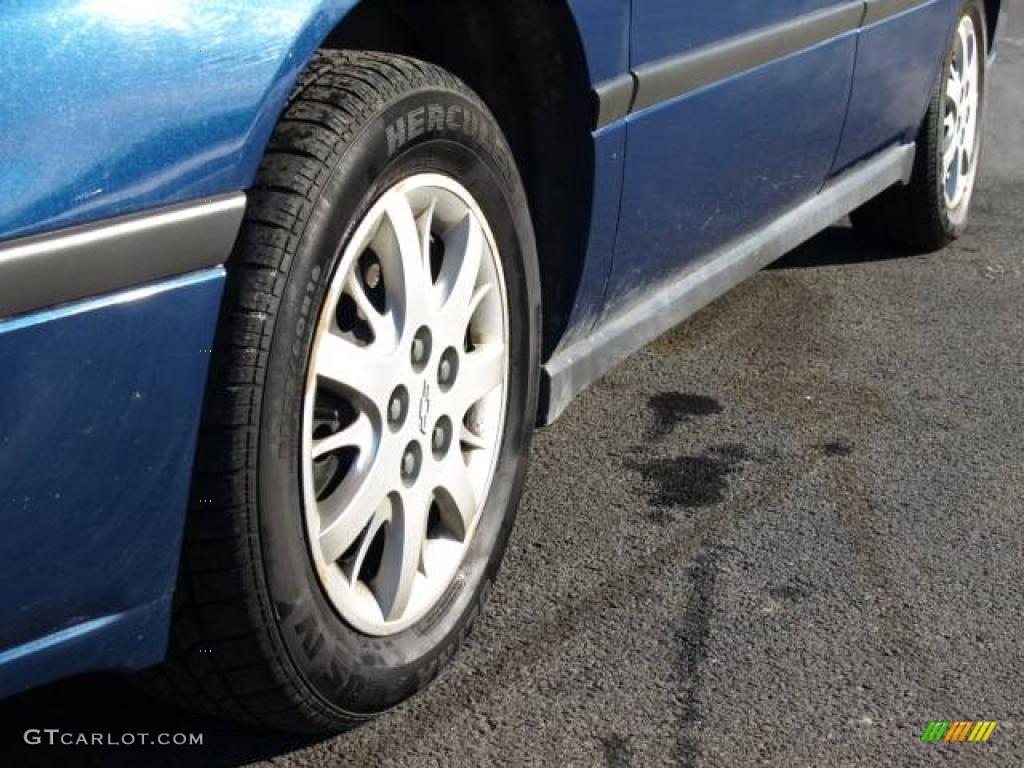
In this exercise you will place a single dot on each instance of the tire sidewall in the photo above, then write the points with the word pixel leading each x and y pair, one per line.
pixel 444 132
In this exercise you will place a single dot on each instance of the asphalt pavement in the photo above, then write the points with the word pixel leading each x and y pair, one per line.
pixel 789 533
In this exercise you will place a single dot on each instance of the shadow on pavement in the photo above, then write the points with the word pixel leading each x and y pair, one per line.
pixel 837 246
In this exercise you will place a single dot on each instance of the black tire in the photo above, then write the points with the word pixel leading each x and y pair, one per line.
pixel 915 217
pixel 254 636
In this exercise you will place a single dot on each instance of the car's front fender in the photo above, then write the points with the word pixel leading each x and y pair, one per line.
pixel 109 107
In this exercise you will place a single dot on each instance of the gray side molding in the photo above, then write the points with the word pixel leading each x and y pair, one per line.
pixel 658 81
pixel 578 365
pixel 883 9
pixel 44 270
pixel 614 99
pixel 668 78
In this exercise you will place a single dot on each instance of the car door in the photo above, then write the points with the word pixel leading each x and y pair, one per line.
pixel 899 54
pixel 737 116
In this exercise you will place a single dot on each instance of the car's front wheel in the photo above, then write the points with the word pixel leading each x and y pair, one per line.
pixel 370 407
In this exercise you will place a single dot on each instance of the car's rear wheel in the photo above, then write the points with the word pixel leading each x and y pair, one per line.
pixel 932 210
pixel 370 406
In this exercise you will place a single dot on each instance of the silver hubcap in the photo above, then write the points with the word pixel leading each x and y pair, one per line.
pixel 404 403
pixel 960 124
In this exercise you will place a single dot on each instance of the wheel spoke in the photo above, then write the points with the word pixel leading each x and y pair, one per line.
pixel 463 255
pixel 967 84
pixel 379 323
pixel 470 440
pixel 400 561
pixel 457 491
pixel 361 371
pixel 474 304
pixel 482 371
pixel 965 50
pixel 971 113
pixel 970 134
pixel 952 178
pixel 359 434
pixel 950 155
pixel 381 515
pixel 457 319
pixel 404 262
pixel 424 224
pixel 352 510
pixel 953 86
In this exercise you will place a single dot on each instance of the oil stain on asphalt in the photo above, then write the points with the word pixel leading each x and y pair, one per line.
pixel 671 409
pixel 689 481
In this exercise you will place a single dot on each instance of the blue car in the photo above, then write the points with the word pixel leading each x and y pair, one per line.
pixel 286 286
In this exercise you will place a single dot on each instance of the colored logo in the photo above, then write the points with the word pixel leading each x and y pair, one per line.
pixel 959 730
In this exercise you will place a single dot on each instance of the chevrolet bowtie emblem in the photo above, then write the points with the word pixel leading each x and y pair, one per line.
pixel 424 408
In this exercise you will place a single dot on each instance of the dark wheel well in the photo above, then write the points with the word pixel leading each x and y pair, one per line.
pixel 526 61
pixel 992 8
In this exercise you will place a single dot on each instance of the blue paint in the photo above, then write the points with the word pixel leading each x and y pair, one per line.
pixel 97 437
pixel 123 105
pixel 130 640
pixel 715 164
pixel 609 151
pixel 898 61
pixel 55 639
pixel 604 28
pixel 144 104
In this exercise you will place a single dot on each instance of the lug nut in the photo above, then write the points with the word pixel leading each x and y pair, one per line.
pixel 441 440
pixel 448 369
pixel 411 460
pixel 421 348
pixel 398 408
pixel 372 276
